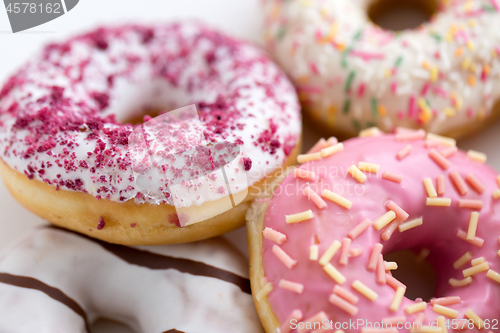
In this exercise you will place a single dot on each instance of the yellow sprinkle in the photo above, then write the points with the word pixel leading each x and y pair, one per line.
pixel 384 220
pixel 391 265
pixel 460 283
pixel 340 46
pixel 264 291
pixel 330 252
pixel 498 253
pixel 450 142
pixel 476 269
pixel 424 106
pixel 442 202
pixel 299 217
pixel 468 6
pixel 472 22
pixel 448 37
pixel 462 260
pixel 494 53
pixel 429 187
pixel 410 224
pixel 442 323
pixel 302 158
pixel 445 311
pixel 426 65
pixel 398 297
pixel 477 261
pixel 332 149
pixel 334 28
pixel 368 167
pixel 449 112
pixel 459 51
pixel 498 180
pixel 473 68
pixel 434 74
pixel 382 111
pixel 472 80
pixel 313 252
pixel 493 275
pixel 477 320
pixel 496 194
pixel 334 273
pixel 372 131
pixel 337 199
pixel 466 64
pixel 388 72
pixel 357 174
pixel 477 156
pixel 470 45
pixel 474 219
pixel 364 290
pixel 417 307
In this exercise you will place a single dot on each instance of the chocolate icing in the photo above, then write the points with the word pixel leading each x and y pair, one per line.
pixel 158 261
pixel 58 295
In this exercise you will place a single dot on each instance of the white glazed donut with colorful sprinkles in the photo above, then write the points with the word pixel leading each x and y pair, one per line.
pixel 351 74
pixel 317 245
pixel 69 155
pixel 54 280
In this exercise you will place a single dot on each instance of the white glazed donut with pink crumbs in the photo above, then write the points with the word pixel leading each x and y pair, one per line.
pixel 69 148
pixel 443 76
pixel 319 240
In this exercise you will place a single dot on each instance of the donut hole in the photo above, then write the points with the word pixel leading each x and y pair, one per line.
pixel 132 101
pixel 142 116
pixel 416 273
pixel 397 15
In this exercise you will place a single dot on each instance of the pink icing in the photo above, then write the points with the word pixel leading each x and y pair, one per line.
pixel 438 232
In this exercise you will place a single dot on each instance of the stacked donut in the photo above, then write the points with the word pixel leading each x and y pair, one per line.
pixel 72 154
pixel 318 241
pixel 351 74
pixel 183 176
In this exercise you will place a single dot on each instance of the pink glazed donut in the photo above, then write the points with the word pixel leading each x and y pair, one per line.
pixel 317 245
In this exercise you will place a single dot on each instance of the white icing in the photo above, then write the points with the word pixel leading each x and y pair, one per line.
pixel 136 88
pixel 106 286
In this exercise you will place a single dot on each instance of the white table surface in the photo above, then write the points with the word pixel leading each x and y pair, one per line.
pixel 238 17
